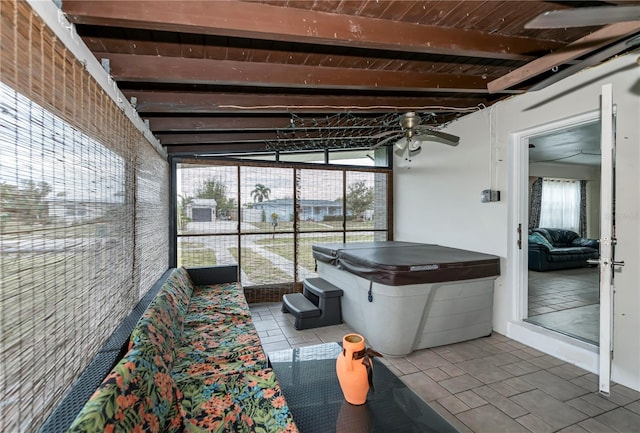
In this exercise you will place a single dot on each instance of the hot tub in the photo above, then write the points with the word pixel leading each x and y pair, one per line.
pixel 405 296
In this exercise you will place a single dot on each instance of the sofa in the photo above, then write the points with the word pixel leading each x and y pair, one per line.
pixel 552 249
pixel 194 364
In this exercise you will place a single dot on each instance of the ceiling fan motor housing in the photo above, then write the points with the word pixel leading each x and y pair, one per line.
pixel 410 120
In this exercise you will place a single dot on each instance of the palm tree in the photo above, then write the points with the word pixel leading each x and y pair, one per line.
pixel 260 193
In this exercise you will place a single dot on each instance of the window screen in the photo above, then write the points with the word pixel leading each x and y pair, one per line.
pixel 273 214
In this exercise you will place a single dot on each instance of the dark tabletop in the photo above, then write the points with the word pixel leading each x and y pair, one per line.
pixel 308 379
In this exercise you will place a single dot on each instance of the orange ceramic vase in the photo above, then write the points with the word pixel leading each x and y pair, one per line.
pixel 352 373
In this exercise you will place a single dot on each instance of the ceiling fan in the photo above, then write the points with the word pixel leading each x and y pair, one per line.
pixel 408 138
pixel 586 16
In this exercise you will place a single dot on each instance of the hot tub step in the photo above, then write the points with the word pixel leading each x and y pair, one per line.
pixel 299 306
pixel 321 288
pixel 319 305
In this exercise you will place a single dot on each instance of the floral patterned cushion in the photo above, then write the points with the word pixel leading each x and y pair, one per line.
pixel 181 283
pixel 161 326
pixel 243 402
pixel 135 396
pixel 219 348
pixel 225 298
pixel 195 363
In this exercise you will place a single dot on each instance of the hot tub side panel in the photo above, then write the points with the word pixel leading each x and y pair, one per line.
pixel 390 323
pixel 457 311
pixel 401 319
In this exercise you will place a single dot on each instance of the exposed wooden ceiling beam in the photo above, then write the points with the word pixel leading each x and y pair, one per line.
pixel 216 148
pixel 244 123
pixel 180 70
pixel 176 124
pixel 288 24
pixel 245 137
pixel 197 102
pixel 215 137
pixel 590 43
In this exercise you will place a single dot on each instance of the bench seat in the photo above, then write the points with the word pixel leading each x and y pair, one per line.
pixel 195 363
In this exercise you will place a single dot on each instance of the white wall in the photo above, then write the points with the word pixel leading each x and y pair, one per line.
pixel 437 199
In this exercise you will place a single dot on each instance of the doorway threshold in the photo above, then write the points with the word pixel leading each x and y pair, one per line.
pixel 581 323
pixel 561 331
pixel 575 351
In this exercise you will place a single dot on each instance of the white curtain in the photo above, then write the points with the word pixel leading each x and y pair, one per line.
pixel 560 206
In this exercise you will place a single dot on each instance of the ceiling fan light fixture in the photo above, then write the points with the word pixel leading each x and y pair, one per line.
pixel 414 152
pixel 414 146
pixel 401 144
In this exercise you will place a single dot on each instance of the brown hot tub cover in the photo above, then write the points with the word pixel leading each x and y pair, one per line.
pixel 402 263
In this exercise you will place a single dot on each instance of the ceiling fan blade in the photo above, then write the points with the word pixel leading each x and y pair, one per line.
pixel 588 62
pixel 450 139
pixel 391 135
pixel 582 17
pixel 385 134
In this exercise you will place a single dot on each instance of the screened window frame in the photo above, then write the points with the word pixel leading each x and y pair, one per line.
pixel 174 161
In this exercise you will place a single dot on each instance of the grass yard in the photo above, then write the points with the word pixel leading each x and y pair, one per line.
pixel 287 226
pixel 195 254
pixel 305 258
pixel 53 306
pixel 284 247
pixel 54 229
pixel 259 270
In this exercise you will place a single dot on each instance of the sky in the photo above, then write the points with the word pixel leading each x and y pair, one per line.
pixel 36 145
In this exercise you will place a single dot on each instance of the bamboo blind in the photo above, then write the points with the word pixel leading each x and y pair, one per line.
pixel 83 218
pixel 151 216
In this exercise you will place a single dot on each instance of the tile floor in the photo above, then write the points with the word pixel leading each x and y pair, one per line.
pixel 562 290
pixel 490 385
pixel 566 301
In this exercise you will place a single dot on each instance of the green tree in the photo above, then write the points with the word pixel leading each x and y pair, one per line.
pixel 26 203
pixel 360 198
pixel 260 193
pixel 9 200
pixel 183 218
pixel 215 189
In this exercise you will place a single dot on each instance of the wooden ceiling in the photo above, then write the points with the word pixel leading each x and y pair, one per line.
pixel 224 76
